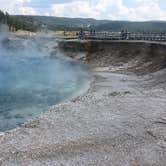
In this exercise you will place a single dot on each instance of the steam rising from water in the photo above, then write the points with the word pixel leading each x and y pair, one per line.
pixel 31 81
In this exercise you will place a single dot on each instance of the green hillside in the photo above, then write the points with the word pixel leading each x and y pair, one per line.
pixel 150 26
pixel 37 23
pixel 62 23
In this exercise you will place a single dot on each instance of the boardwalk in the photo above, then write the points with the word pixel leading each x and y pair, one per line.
pixel 119 36
pixel 127 36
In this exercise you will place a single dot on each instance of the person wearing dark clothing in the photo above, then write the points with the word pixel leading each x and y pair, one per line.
pixel 81 34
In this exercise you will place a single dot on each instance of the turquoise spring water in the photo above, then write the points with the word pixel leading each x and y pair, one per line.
pixel 30 83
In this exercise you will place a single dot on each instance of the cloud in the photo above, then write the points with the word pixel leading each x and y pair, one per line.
pixel 16 7
pixel 27 11
pixel 99 9
pixel 102 9
pixel 110 9
pixel 74 9
pixel 22 1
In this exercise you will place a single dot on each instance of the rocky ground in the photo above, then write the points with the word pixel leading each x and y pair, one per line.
pixel 120 121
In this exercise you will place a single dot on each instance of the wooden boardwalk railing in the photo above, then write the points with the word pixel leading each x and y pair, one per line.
pixel 126 36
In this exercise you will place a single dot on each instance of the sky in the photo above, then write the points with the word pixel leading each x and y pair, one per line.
pixel 134 10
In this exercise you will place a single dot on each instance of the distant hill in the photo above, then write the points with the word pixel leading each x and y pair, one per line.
pixel 62 23
pixel 68 22
pixel 35 23
pixel 150 26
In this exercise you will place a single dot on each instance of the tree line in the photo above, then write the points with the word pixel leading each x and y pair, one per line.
pixel 18 22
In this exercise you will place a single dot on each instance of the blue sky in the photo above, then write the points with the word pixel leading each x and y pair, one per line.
pixel 139 10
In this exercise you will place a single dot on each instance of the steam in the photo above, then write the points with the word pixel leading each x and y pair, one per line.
pixel 31 81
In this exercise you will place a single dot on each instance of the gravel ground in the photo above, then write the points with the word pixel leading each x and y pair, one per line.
pixel 120 121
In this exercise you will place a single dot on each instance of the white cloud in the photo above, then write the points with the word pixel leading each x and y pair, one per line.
pixel 99 9
pixel 85 9
pixel 73 9
pixel 22 1
pixel 27 11
pixel 148 10
pixel 111 9
pixel 17 7
pixel 146 1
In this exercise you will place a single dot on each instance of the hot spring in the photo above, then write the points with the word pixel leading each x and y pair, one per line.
pixel 31 81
